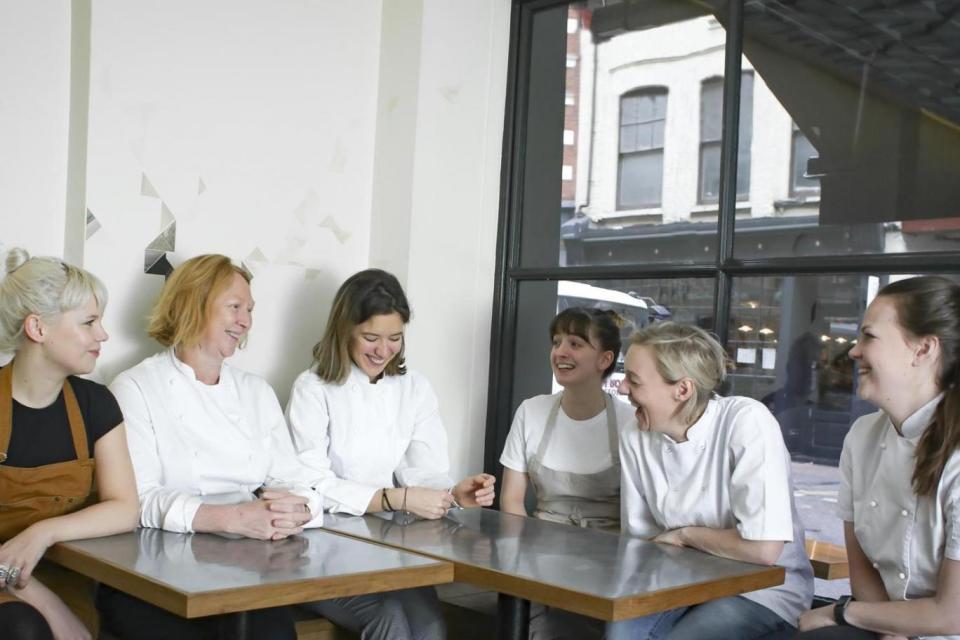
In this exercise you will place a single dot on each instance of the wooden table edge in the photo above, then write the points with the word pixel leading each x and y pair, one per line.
pixel 313 589
pixel 110 573
pixel 610 609
pixel 230 600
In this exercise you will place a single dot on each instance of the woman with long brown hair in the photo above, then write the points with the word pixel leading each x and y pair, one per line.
pixel 369 430
pixel 900 472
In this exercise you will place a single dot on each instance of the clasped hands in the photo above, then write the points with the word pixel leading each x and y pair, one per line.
pixel 274 515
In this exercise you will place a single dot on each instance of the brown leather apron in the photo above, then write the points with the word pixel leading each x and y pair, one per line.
pixel 31 494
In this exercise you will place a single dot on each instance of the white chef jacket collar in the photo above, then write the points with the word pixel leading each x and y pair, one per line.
pixel 187 371
pixel 914 426
pixel 357 375
pixel 700 430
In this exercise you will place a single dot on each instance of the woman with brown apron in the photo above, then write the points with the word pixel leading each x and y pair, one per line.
pixel 50 424
pixel 566 445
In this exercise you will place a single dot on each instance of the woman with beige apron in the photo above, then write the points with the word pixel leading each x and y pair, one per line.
pixel 566 446
pixel 49 421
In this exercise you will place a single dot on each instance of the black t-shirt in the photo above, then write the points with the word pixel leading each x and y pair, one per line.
pixel 42 436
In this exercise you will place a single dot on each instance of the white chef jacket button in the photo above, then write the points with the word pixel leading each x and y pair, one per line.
pixel 876 565
pixel 873 503
pixel 904 513
pixel 902 575
pixel 883 445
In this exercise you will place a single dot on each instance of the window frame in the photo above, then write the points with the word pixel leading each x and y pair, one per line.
pixel 526 50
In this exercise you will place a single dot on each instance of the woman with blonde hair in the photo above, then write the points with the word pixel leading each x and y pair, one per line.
pixel 369 431
pixel 209 442
pixel 900 472
pixel 60 435
pixel 711 473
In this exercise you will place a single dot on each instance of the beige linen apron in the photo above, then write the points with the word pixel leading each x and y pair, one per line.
pixel 581 499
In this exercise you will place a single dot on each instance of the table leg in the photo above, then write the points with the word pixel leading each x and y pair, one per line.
pixel 513 618
pixel 236 626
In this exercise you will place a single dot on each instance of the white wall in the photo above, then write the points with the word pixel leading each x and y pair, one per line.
pixel 34 114
pixel 316 161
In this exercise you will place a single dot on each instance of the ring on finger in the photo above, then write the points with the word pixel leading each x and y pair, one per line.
pixel 3 572
pixel 12 575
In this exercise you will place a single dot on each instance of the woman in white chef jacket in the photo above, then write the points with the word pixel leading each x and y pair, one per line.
pixel 900 472
pixel 711 473
pixel 369 431
pixel 208 442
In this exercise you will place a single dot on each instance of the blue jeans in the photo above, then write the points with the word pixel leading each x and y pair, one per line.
pixel 735 617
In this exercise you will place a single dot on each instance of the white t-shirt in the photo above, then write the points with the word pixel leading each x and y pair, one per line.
pixel 732 471
pixel 577 446
pixel 905 537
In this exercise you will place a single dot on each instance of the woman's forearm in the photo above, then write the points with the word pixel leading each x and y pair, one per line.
pixel 920 617
pixel 100 519
pixel 728 543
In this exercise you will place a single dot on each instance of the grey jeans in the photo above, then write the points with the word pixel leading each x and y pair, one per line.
pixel 408 614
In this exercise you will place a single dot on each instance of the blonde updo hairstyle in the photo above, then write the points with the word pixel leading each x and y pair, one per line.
pixel 44 287
pixel 683 351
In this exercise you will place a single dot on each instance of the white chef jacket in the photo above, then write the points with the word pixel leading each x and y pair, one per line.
pixel 733 471
pixel 358 437
pixel 191 442
pixel 577 446
pixel 905 536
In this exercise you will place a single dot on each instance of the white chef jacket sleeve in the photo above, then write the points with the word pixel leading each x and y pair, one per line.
pixel 285 469
pixel 160 507
pixel 514 454
pixel 636 518
pixel 309 422
pixel 845 494
pixel 951 509
pixel 760 496
pixel 426 461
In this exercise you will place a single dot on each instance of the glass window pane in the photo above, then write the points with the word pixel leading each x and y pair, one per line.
pixel 640 179
pixel 875 105
pixel 788 338
pixel 711 108
pixel 803 151
pixel 710 172
pixel 637 121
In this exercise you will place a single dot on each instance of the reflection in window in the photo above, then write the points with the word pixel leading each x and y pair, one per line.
pixel 711 125
pixel 802 151
pixel 643 116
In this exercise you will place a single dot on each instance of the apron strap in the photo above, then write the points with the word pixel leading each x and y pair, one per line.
pixel 6 409
pixel 77 427
pixel 548 429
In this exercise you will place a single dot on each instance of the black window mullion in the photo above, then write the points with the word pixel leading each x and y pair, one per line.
pixel 729 142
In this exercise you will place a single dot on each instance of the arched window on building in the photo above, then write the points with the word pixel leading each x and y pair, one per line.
pixel 711 125
pixel 643 116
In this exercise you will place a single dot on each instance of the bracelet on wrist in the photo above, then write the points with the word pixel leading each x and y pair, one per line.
pixel 385 501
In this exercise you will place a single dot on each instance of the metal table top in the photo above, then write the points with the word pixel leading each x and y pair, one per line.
pixel 592 572
pixel 202 574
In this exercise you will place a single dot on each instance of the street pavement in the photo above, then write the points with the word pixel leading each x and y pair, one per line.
pixel 815 489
